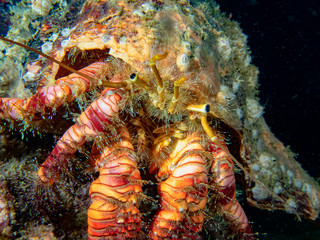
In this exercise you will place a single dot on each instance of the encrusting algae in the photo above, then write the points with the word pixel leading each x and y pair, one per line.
pixel 159 108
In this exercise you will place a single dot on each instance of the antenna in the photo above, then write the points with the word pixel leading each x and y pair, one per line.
pixel 91 79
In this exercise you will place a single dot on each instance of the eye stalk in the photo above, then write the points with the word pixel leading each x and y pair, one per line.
pixel 204 109
pixel 136 79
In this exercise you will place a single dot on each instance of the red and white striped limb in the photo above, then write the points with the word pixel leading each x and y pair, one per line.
pixel 66 89
pixel 183 192
pixel 91 122
pixel 113 213
pixel 223 170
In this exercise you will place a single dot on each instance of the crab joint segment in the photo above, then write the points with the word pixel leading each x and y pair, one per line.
pixel 222 168
pixel 113 213
pixel 176 93
pixel 183 192
pixel 90 123
pixel 152 63
pixel 204 109
pixel 206 127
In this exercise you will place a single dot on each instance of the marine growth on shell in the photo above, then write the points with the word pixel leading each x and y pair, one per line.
pixel 138 118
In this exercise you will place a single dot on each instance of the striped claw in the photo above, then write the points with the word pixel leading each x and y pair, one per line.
pixel 66 89
pixel 113 212
pixel 183 192
pixel 91 122
pixel 223 169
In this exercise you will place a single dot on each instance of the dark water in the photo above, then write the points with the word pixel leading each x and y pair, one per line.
pixel 284 37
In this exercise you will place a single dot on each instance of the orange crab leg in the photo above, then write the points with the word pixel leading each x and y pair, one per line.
pixel 223 169
pixel 113 212
pixel 66 89
pixel 183 193
pixel 90 123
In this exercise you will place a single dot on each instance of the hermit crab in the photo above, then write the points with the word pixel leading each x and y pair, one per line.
pixel 174 106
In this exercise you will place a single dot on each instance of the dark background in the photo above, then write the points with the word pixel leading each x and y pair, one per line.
pixel 284 37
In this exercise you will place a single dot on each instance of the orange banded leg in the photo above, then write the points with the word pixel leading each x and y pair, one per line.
pixel 65 90
pixel 183 192
pixel 222 167
pixel 91 122
pixel 113 213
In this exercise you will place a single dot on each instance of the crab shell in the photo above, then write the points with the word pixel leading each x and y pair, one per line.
pixel 210 51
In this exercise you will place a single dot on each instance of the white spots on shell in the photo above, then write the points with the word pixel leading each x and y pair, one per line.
pixel 47 47
pixel 291 176
pixel 278 188
pixel 65 32
pixel 224 48
pixel 297 183
pixel 183 62
pixel 123 40
pixel 306 188
pixel 64 43
pixel 239 113
pixel 235 86
pixel 314 196
pixel 43 7
pixel 222 98
pixel 254 110
pixel 290 173
pixel 259 193
pixel 255 133
pixel 291 206
pixel 265 173
pixel 186 47
pixel 266 160
pixel 29 77
pixel 120 220
pixel 260 144
pixel 143 9
pixel 225 95
pixel 247 61
pixel 255 168
pixel 147 7
pixel 138 13
pixel 53 37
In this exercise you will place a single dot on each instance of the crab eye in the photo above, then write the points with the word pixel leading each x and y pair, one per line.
pixel 133 76
pixel 207 108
